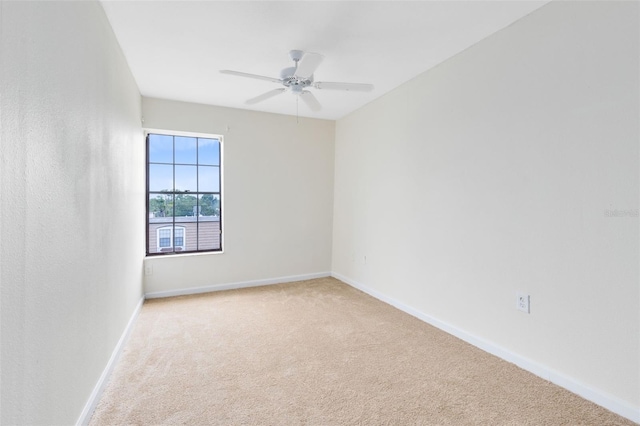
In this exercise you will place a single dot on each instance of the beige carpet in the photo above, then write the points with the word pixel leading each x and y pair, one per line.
pixel 318 353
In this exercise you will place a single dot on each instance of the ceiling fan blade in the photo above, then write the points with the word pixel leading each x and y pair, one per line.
pixel 258 77
pixel 265 96
pixel 308 65
pixel 349 87
pixel 311 101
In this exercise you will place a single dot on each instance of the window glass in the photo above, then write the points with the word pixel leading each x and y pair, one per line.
pixel 160 205
pixel 209 152
pixel 209 205
pixel 185 207
pixel 186 150
pixel 160 149
pixel 186 178
pixel 208 179
pixel 160 177
pixel 184 199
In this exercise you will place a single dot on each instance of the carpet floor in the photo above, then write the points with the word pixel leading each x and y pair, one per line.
pixel 318 352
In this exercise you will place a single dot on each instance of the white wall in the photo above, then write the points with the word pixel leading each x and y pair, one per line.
pixel 72 236
pixel 491 174
pixel 277 196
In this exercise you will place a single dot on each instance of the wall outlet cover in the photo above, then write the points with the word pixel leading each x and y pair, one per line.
pixel 522 302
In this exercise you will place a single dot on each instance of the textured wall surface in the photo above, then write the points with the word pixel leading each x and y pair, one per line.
pixel 277 196
pixel 511 167
pixel 72 237
pixel 498 172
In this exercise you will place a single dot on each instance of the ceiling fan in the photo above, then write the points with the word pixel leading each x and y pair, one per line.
pixel 298 78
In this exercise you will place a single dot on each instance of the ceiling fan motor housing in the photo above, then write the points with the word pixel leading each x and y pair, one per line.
pixel 296 84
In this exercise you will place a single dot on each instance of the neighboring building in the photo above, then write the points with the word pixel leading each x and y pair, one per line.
pixel 188 234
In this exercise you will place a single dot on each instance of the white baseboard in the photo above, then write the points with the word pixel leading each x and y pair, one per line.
pixel 94 398
pixel 231 286
pixel 603 399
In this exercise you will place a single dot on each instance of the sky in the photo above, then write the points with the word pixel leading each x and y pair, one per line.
pixel 197 161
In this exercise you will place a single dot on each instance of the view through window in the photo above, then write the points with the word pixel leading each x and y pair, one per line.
pixel 184 194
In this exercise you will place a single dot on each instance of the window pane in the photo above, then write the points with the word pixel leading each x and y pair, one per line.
pixel 160 208
pixel 185 150
pixel 209 205
pixel 209 233
pixel 185 207
pixel 208 179
pixel 153 238
pixel 186 178
pixel 209 152
pixel 160 149
pixel 160 177
pixel 191 235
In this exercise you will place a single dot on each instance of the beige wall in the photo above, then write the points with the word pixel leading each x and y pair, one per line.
pixel 493 173
pixel 277 196
pixel 72 206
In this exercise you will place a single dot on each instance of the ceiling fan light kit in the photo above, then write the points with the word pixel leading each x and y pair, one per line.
pixel 298 78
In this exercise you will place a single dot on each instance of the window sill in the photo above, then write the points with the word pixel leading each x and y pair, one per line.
pixel 164 256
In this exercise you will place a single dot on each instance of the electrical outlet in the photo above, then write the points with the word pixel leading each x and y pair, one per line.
pixel 522 302
pixel 148 270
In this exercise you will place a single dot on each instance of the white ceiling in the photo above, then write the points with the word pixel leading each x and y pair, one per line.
pixel 176 48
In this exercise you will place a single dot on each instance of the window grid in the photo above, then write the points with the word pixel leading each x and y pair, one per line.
pixel 202 212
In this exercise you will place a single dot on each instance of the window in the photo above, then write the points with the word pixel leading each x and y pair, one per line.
pixel 170 239
pixel 184 203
